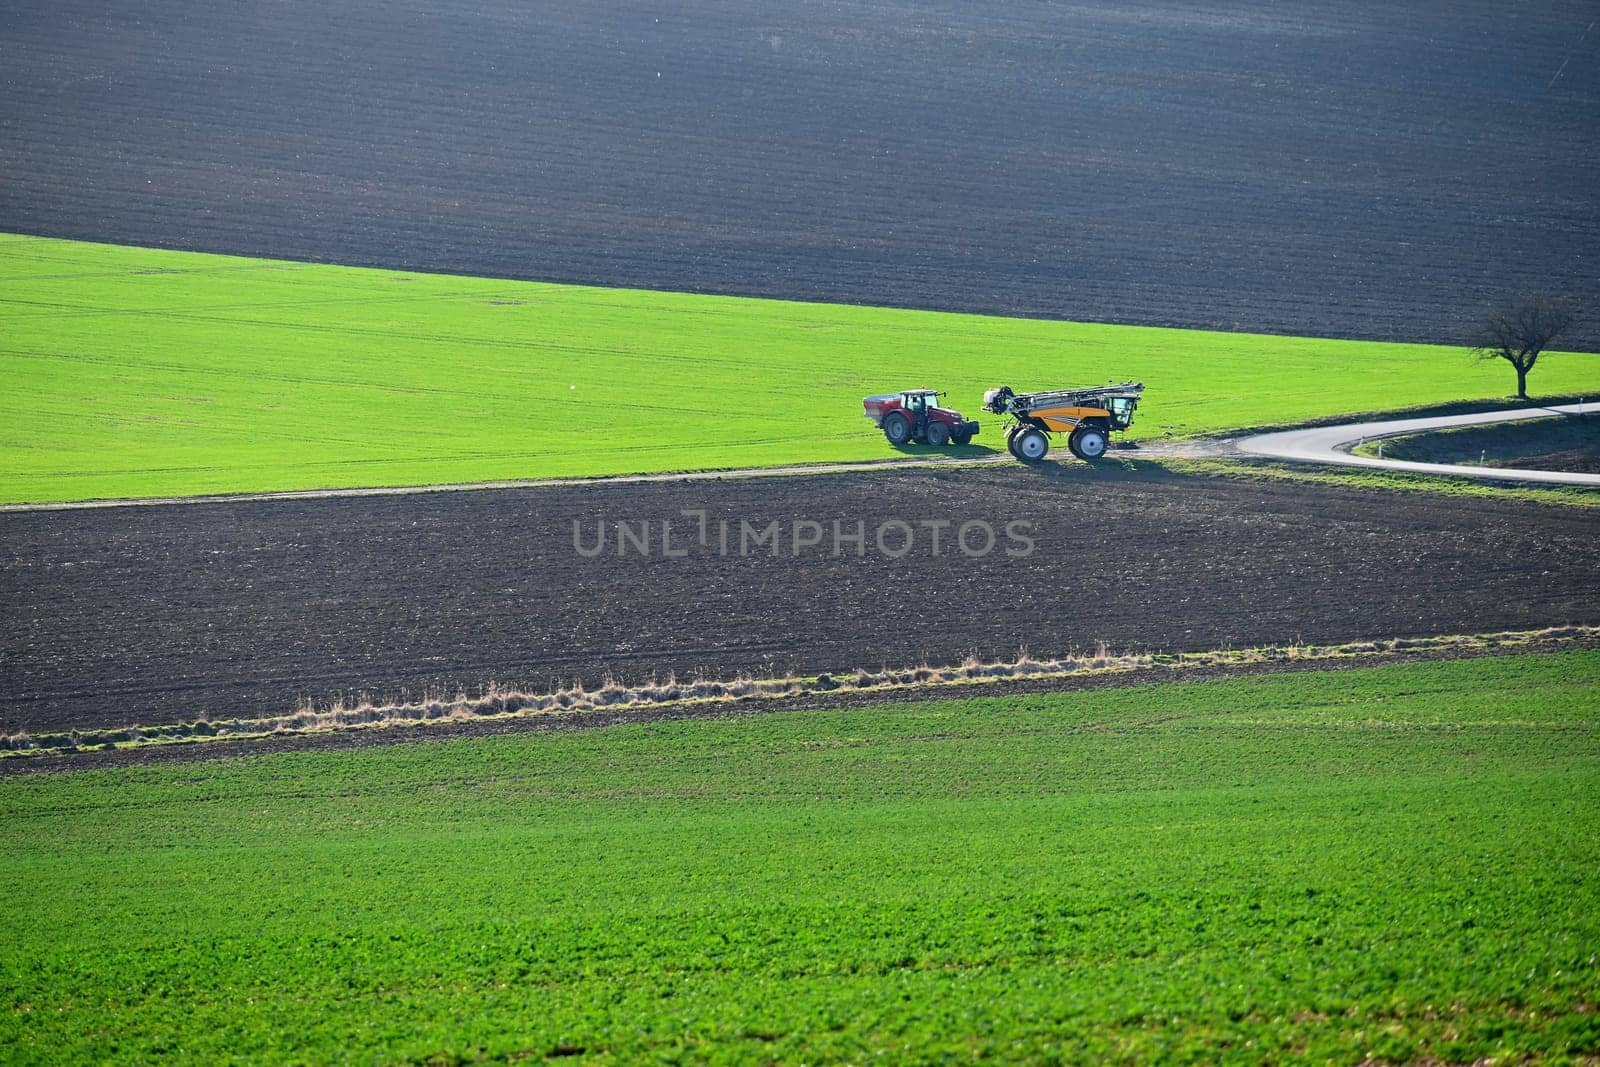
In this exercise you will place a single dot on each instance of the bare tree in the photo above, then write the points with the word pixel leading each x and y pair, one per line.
pixel 1520 332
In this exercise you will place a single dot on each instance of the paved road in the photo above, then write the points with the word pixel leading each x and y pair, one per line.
pixel 1331 444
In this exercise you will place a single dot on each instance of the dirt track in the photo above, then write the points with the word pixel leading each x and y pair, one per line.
pixel 164 613
pixel 1355 169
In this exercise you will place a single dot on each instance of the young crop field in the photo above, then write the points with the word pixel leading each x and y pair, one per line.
pixel 132 372
pixel 1393 863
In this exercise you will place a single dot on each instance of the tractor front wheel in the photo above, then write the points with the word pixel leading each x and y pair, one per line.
pixel 1031 445
pixel 1011 440
pixel 938 434
pixel 962 438
pixel 897 428
pixel 1091 443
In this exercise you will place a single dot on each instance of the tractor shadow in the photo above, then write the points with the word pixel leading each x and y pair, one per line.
pixel 1059 468
pixel 922 451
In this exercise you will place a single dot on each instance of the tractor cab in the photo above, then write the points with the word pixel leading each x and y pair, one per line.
pixel 1121 409
pixel 919 401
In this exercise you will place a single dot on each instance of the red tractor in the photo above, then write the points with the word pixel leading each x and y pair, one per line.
pixel 914 415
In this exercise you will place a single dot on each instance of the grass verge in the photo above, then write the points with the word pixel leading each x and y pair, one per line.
pixel 139 373
pixel 1386 864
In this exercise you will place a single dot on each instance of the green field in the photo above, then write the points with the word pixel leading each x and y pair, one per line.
pixel 131 372
pixel 1394 862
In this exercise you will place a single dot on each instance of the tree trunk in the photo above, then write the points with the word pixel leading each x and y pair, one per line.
pixel 1522 382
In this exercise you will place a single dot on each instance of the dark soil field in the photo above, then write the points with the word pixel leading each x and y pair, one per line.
pixel 158 614
pixel 1363 169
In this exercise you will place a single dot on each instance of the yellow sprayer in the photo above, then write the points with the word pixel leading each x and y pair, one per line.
pixel 1087 416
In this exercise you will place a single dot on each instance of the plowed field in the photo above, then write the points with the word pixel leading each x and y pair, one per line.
pixel 157 614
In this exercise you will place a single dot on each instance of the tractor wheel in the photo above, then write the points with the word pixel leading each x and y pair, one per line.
pixel 1091 443
pixel 1011 440
pixel 1031 445
pixel 938 434
pixel 1072 444
pixel 962 438
pixel 897 428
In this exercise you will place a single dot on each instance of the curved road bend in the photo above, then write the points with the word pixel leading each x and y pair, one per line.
pixel 1331 444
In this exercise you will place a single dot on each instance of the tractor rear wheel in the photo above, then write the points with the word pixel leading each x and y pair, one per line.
pixel 938 434
pixel 1031 445
pixel 1092 443
pixel 897 428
